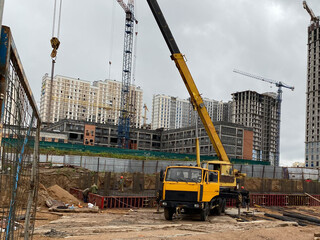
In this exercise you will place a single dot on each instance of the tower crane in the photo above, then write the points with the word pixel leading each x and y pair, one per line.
pixel 280 85
pixel 145 115
pixel 309 10
pixel 124 118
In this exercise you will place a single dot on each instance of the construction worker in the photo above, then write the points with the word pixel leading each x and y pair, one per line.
pixel 94 189
pixel 121 183
pixel 85 194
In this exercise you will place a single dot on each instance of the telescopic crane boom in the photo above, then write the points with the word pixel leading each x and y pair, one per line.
pixel 195 96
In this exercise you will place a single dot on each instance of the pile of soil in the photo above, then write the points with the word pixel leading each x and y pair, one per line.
pixel 58 193
pixel 43 195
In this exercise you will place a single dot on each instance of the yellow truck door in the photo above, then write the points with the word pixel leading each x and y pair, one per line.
pixel 210 185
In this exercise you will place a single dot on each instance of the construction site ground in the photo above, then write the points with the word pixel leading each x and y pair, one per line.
pixel 146 223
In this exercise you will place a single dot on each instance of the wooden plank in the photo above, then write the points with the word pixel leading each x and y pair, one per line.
pixel 312 197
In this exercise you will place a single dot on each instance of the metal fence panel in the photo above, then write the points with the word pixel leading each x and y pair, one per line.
pixel 103 164
pixel 19 139
pixel 258 171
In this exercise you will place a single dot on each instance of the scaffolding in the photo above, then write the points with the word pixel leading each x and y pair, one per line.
pixel 19 158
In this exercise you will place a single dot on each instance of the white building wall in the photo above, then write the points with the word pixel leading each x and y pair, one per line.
pixel 80 100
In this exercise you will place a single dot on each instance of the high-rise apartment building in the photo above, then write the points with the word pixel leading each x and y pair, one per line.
pixel 77 99
pixel 312 137
pixel 173 113
pixel 217 110
pixel 224 111
pixel 212 108
pixel 258 111
pixel 169 112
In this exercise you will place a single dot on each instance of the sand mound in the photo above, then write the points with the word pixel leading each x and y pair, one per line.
pixel 58 193
pixel 43 195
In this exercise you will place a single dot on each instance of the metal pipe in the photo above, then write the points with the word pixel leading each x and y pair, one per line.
pixel 50 96
pixel 197 142
pixel 1 12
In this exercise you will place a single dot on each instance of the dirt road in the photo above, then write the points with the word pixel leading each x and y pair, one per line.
pixel 147 224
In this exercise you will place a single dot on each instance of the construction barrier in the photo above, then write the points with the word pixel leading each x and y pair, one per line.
pixel 116 201
pixel 76 192
pixel 264 200
pixel 280 200
pixel 19 145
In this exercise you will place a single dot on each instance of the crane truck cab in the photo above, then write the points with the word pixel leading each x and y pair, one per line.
pixel 226 172
pixel 230 180
pixel 191 190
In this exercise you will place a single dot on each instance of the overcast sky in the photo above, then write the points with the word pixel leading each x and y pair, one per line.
pixel 265 37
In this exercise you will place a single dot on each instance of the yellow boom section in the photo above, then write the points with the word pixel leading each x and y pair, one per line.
pixel 197 102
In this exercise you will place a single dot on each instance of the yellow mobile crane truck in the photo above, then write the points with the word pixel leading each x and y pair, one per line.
pixel 190 188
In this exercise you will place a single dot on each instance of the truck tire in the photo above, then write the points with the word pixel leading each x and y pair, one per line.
pixel 217 210
pixel 223 205
pixel 204 212
pixel 168 213
pixel 219 207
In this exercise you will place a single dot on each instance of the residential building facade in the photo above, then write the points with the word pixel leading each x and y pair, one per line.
pixel 258 111
pixel 77 99
pixel 237 139
pixel 169 112
pixel 173 113
pixel 224 111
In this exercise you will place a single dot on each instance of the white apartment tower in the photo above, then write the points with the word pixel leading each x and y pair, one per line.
pixel 169 112
pixel 224 110
pixel 312 137
pixel 80 100
pixel 217 110
pixel 258 111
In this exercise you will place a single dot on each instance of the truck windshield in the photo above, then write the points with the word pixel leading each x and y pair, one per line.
pixel 184 175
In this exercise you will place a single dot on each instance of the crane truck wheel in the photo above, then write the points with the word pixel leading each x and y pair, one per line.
pixel 204 212
pixel 217 210
pixel 223 205
pixel 168 213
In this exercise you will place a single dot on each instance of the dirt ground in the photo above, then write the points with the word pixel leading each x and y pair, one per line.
pixel 148 224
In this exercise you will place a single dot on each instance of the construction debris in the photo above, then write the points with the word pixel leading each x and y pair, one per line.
pixel 76 209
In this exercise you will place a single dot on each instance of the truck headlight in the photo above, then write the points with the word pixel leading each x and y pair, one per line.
pixel 196 205
pixel 164 204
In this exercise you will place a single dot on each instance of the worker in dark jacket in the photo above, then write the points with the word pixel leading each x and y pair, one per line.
pixel 85 193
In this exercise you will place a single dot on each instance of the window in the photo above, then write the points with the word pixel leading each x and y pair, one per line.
pixel 184 174
pixel 213 177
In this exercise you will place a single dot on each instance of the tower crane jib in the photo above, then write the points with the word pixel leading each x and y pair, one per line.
pixel 309 10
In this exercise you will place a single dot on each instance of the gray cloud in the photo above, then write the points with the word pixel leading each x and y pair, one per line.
pixel 266 37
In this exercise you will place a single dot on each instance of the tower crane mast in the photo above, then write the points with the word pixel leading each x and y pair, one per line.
pixel 124 118
pixel 280 85
pixel 145 115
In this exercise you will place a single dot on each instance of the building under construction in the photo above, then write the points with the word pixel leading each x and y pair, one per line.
pixel 258 111
pixel 312 137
